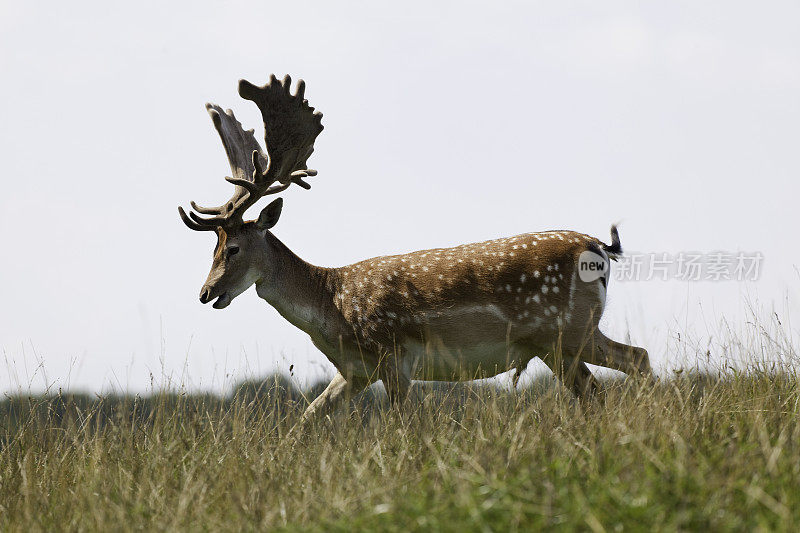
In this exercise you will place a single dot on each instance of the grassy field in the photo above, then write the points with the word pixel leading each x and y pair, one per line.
pixel 688 452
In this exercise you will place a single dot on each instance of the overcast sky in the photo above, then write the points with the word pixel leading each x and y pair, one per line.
pixel 445 123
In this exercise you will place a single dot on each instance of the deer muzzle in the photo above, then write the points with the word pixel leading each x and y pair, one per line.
pixel 206 295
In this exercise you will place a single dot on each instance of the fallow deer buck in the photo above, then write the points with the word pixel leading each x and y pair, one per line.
pixel 444 314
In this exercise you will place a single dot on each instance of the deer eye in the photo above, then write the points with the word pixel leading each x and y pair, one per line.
pixel 233 250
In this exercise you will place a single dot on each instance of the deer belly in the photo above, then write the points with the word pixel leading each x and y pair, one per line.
pixel 460 344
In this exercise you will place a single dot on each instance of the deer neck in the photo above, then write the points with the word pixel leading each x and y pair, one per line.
pixel 301 292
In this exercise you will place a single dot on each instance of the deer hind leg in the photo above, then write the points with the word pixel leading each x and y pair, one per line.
pixel 338 390
pixel 600 350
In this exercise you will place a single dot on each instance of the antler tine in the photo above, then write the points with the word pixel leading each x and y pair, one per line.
pixel 207 210
pixel 209 222
pixel 191 223
pixel 298 175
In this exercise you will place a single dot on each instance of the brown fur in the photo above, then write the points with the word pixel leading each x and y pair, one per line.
pixel 362 316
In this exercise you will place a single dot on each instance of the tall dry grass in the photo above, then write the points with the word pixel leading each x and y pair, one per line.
pixel 718 449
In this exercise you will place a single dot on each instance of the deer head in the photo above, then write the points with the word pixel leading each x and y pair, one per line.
pixel 241 255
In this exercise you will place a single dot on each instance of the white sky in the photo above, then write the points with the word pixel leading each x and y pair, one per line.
pixel 444 123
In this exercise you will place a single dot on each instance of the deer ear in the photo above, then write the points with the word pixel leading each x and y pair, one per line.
pixel 269 215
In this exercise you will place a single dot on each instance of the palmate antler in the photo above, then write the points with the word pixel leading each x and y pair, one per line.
pixel 291 126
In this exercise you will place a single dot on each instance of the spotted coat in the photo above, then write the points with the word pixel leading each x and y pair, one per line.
pixel 528 277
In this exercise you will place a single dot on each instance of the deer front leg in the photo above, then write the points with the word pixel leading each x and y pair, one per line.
pixel 338 390
pixel 515 377
pixel 395 380
pixel 397 389
pixel 574 374
pixel 519 367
